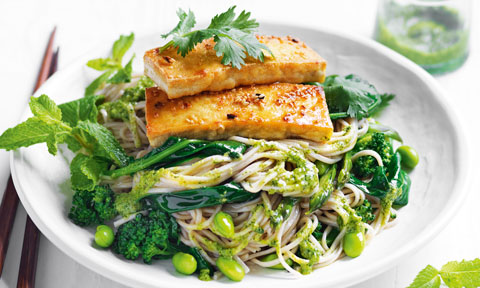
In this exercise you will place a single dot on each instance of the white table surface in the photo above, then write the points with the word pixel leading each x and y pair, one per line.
pixel 82 25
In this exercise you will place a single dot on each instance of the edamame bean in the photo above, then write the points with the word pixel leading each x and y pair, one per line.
pixel 223 223
pixel 409 156
pixel 230 268
pixel 104 236
pixel 184 263
pixel 354 243
pixel 279 266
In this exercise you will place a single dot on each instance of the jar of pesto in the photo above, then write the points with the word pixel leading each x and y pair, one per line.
pixel 432 33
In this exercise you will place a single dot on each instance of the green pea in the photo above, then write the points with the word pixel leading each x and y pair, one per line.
pixel 223 223
pixel 354 243
pixel 230 268
pixel 104 236
pixel 184 263
pixel 409 156
pixel 322 167
pixel 279 266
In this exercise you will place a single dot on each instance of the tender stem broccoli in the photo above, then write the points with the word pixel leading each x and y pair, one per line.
pixel 365 211
pixel 92 207
pixel 364 166
pixel 149 236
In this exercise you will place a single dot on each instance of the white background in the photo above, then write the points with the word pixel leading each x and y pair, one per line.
pixel 83 25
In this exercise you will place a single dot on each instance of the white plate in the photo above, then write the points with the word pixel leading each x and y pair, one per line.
pixel 419 112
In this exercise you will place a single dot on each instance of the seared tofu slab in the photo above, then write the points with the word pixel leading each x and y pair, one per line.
pixel 201 69
pixel 274 111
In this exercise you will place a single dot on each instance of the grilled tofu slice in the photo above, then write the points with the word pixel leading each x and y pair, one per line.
pixel 201 70
pixel 274 111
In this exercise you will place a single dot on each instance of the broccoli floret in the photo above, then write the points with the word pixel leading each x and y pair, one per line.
pixel 92 207
pixel 137 93
pixel 147 236
pixel 365 211
pixel 365 166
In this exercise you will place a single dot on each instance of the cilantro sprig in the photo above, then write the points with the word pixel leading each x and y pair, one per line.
pixel 454 274
pixel 114 73
pixel 233 36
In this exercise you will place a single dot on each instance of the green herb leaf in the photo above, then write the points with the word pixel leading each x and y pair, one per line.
pixel 97 83
pixel 461 274
pixel 121 46
pixel 102 64
pixel 83 109
pixel 185 25
pixel 100 142
pixel 112 66
pixel 85 172
pixel 233 37
pixel 427 278
pixel 351 96
pixel 123 75
pixel 45 109
pixel 31 132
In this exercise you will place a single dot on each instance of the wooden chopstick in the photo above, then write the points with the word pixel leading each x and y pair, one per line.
pixel 7 215
pixel 28 262
pixel 9 204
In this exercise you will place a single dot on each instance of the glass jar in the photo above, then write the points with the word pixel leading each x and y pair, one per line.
pixel 432 33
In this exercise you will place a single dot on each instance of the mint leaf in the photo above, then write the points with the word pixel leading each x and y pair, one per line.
pixel 82 109
pixel 97 83
pixel 185 25
pixel 102 64
pixel 123 75
pixel 85 172
pixel 427 278
pixel 461 274
pixel 112 65
pixel 44 108
pixel 100 142
pixel 31 132
pixel 121 46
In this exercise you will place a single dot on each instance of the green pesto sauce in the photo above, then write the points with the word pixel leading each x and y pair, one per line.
pixel 433 37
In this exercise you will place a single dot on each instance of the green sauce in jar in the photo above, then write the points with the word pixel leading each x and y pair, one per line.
pixel 434 37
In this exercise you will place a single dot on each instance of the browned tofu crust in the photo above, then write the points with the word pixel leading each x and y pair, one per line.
pixel 201 70
pixel 274 111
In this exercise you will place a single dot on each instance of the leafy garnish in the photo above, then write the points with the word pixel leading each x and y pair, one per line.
pixel 85 172
pixel 74 123
pixel 351 96
pixel 234 37
pixel 454 274
pixel 112 66
pixel 45 126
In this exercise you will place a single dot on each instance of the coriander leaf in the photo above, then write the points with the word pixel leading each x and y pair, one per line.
pixel 123 75
pixel 97 83
pixel 227 20
pixel 185 25
pixel 100 142
pixel 82 109
pixel 102 64
pixel 427 278
pixel 385 99
pixel 233 37
pixel 85 172
pixel 121 46
pixel 461 274
pixel 232 52
pixel 351 96
pixel 45 109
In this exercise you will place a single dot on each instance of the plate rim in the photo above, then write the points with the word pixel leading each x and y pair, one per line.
pixel 372 270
